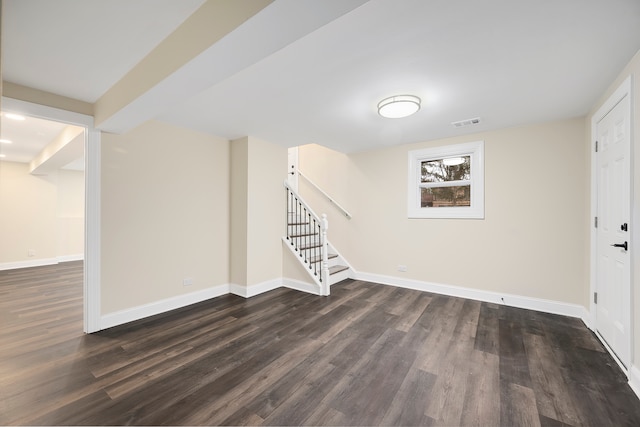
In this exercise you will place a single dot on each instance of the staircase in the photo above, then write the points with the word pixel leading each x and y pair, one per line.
pixel 307 239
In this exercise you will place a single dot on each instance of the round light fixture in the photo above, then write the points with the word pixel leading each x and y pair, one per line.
pixel 398 106
pixel 5 141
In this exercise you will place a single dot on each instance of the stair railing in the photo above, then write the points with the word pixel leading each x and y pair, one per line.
pixel 307 235
pixel 328 197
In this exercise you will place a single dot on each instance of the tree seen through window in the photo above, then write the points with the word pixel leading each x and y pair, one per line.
pixel 452 179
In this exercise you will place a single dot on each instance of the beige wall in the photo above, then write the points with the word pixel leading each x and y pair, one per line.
pixel 536 214
pixel 164 215
pixel 292 269
pixel 266 210
pixel 330 171
pixel 28 214
pixel 40 213
pixel 257 210
pixel 633 68
pixel 239 212
pixel 70 213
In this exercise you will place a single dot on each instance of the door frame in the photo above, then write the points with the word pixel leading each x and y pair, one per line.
pixel 91 286
pixel 292 167
pixel 625 89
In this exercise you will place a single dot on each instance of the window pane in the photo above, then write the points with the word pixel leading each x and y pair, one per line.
pixel 445 196
pixel 448 169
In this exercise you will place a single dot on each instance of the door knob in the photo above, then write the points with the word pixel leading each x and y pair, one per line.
pixel 621 245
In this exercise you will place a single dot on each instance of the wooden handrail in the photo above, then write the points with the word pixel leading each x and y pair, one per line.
pixel 336 204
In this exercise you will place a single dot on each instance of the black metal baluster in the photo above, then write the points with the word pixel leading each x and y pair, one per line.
pixel 312 228
pixel 311 246
pixel 309 250
pixel 297 225
pixel 320 251
pixel 315 248
pixel 306 238
pixel 305 244
pixel 300 237
pixel 289 208
pixel 286 208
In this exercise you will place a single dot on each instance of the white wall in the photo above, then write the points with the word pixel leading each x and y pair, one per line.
pixel 165 215
pixel 43 214
pixel 531 242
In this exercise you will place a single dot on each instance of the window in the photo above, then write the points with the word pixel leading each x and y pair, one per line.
pixel 447 182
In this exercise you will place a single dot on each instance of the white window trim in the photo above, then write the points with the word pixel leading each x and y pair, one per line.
pixel 416 157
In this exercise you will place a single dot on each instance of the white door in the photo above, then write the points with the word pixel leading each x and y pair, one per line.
pixel 613 230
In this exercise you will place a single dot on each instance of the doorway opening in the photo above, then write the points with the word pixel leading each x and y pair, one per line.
pixel 90 142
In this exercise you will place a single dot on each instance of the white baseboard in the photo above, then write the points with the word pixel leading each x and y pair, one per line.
pixel 300 286
pixel 634 380
pixel 40 262
pixel 67 258
pixel 239 290
pixel 253 290
pixel 136 313
pixel 547 306
pixel 29 263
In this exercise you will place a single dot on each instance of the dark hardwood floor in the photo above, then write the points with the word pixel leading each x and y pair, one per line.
pixel 367 355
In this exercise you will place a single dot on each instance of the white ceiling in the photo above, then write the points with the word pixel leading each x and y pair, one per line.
pixel 26 138
pixel 80 48
pixel 41 43
pixel 507 62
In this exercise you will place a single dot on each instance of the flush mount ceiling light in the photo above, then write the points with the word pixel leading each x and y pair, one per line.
pixel 5 141
pixel 398 106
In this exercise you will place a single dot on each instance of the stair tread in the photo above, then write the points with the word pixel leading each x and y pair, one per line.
pixel 303 234
pixel 318 258
pixel 309 245
pixel 337 269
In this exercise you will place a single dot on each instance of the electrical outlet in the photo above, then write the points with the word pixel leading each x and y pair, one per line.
pixel 402 268
pixel 187 281
pixel 31 252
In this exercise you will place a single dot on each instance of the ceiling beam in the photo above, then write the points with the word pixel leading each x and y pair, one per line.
pixel 220 39
pixel 209 24
pixel 67 147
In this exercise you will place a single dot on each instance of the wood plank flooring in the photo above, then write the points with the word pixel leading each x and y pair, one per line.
pixel 367 355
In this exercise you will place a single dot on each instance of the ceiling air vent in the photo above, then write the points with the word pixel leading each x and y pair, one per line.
pixel 467 122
